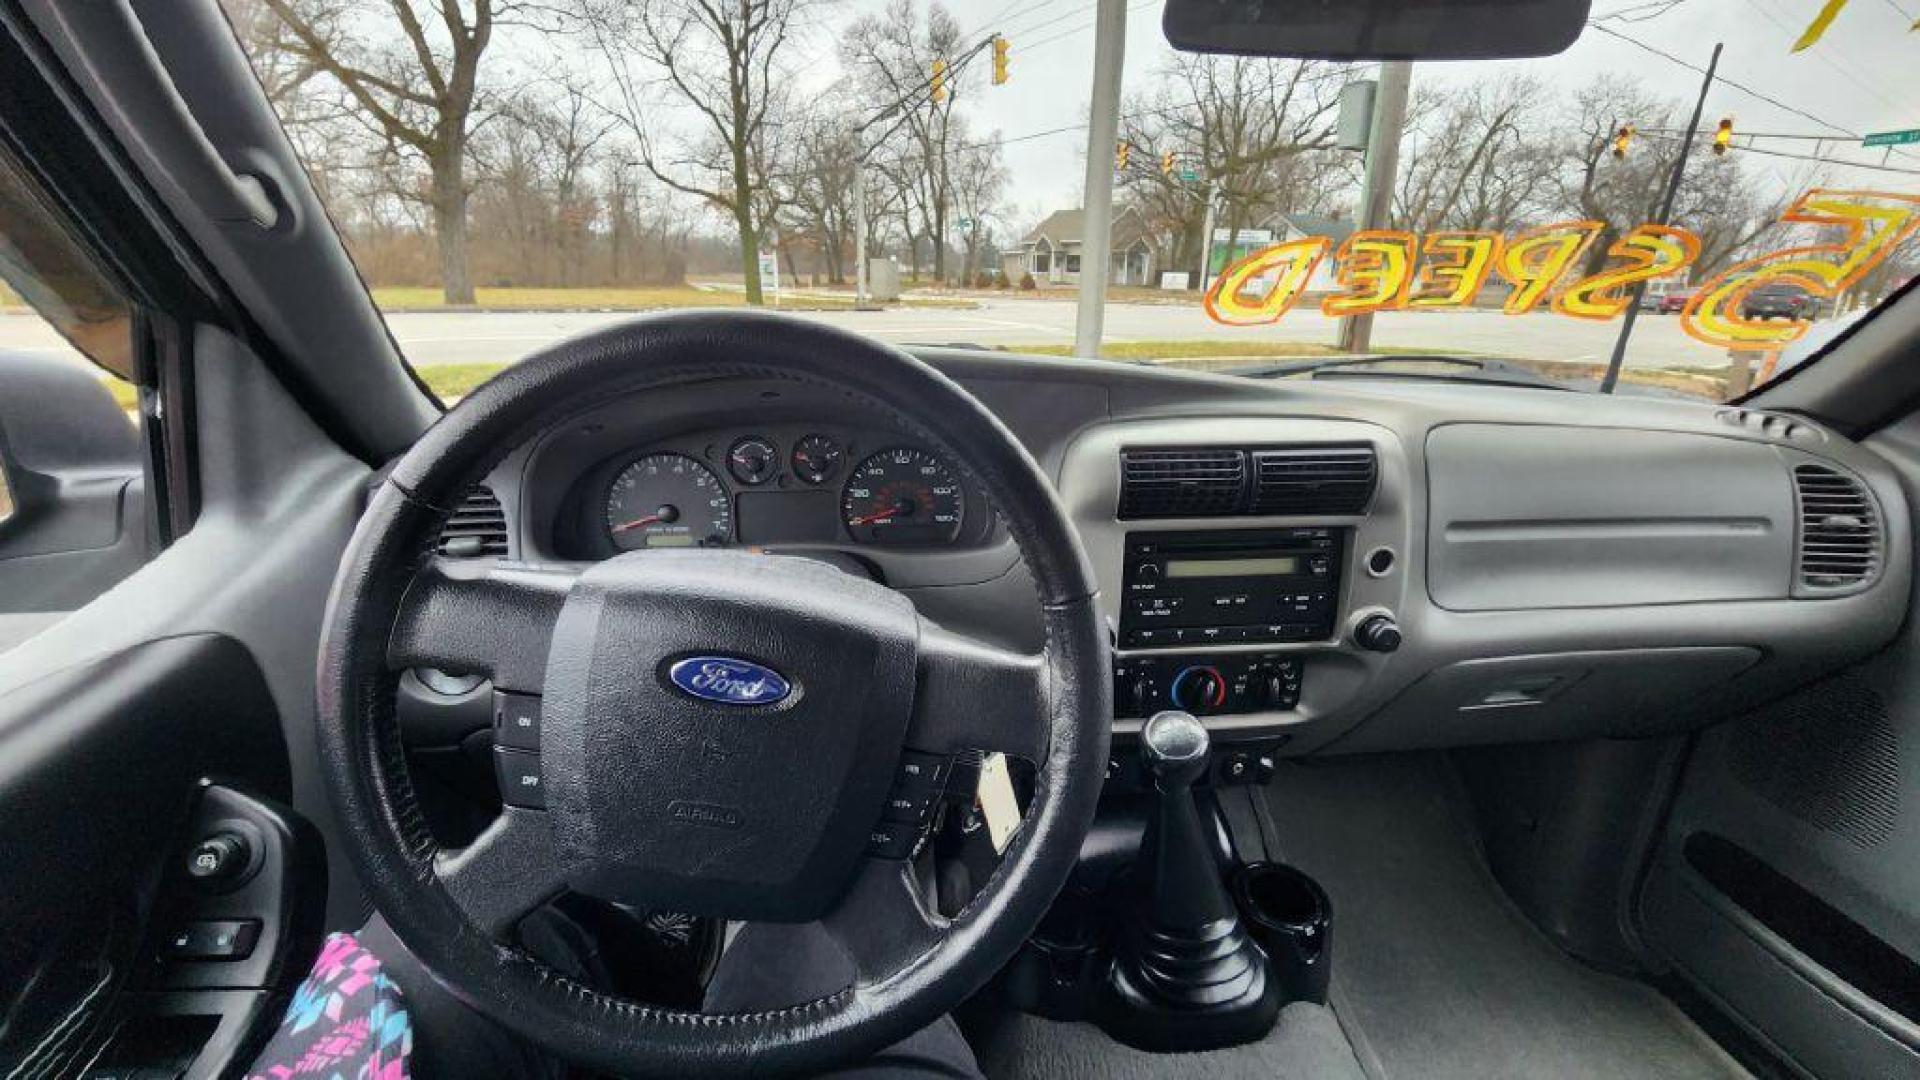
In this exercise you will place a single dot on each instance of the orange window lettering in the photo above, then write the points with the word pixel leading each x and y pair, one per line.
pixel 1871 225
pixel 1453 267
pixel 1647 252
pixel 1280 273
pixel 1534 260
pixel 1375 267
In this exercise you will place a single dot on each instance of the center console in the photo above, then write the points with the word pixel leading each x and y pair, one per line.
pixel 1223 587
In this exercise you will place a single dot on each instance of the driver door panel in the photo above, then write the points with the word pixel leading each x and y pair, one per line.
pixel 102 768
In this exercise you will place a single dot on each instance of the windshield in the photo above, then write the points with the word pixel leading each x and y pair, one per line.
pixel 1645 213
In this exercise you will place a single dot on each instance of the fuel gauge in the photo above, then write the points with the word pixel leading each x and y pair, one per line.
pixel 816 458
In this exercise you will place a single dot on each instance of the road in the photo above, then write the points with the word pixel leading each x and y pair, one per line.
pixel 458 337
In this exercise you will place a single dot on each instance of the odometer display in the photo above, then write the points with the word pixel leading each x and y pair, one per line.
pixel 903 497
pixel 668 500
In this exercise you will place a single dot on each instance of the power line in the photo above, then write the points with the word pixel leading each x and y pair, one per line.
pixel 1748 90
pixel 1073 30
pixel 1819 52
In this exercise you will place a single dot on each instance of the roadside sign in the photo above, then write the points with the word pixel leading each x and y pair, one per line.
pixel 965 224
pixel 1892 138
pixel 1188 176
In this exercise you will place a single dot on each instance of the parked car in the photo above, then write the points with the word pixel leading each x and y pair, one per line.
pixel 1673 303
pixel 1777 302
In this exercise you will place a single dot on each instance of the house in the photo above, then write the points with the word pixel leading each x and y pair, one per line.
pixel 1051 251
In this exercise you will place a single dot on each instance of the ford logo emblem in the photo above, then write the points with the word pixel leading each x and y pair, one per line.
pixel 729 680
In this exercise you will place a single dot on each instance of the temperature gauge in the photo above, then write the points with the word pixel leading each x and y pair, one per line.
pixel 752 460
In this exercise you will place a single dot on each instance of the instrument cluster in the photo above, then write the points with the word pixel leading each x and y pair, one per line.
pixel 773 484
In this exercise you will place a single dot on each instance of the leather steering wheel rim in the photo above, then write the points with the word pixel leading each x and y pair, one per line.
pixel 363 649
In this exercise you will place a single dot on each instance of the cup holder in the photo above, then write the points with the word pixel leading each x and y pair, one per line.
pixel 1290 916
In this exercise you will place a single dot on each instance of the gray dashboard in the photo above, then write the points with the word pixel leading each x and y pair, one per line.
pixel 1560 565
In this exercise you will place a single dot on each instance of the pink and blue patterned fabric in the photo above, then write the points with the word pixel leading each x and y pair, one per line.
pixel 346 1022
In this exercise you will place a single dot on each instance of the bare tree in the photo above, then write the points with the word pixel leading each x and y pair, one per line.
pixel 979 187
pixel 892 55
pixel 1247 128
pixel 721 58
pixel 419 88
pixel 1474 157
pixel 823 173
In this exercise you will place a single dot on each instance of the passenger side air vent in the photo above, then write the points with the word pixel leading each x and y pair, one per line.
pixel 476 529
pixel 1313 480
pixel 1206 482
pixel 1840 538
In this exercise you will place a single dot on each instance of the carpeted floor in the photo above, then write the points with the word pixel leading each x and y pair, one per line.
pixel 1435 975
pixel 1306 1044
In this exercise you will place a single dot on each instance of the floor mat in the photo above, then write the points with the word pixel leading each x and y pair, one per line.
pixel 1435 975
pixel 1306 1044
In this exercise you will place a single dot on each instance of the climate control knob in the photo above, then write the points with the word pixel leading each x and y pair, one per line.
pixel 1198 689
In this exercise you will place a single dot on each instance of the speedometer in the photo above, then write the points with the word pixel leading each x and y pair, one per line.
pixel 668 500
pixel 903 496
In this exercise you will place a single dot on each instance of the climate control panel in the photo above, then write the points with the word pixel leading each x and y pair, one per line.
pixel 1206 685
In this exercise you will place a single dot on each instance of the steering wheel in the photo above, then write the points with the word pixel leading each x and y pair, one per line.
pixel 762 805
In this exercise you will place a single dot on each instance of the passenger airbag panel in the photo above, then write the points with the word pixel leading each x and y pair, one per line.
pixel 1529 516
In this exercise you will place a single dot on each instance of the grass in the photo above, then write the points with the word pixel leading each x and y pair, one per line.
pixel 451 382
pixel 428 298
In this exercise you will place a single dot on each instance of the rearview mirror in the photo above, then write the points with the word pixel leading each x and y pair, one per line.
pixel 1375 29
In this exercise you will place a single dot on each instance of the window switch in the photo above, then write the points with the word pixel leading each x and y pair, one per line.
pixel 214 939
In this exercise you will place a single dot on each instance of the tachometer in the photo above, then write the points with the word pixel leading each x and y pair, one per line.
pixel 903 496
pixel 668 500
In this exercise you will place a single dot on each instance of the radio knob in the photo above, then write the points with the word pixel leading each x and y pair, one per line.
pixel 1147 571
pixel 1198 689
pixel 1377 633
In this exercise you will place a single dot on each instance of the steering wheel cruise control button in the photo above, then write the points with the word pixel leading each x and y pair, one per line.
pixel 516 721
pixel 893 839
pixel 519 778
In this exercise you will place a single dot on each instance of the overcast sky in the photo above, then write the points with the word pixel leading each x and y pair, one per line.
pixel 1863 77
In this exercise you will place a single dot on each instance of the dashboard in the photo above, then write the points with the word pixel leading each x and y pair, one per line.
pixel 1309 567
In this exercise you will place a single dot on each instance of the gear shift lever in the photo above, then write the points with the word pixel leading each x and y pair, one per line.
pixel 1185 975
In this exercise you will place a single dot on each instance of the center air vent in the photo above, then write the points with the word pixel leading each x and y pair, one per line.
pixel 1840 537
pixel 1225 481
pixel 1182 483
pixel 1313 480
pixel 477 528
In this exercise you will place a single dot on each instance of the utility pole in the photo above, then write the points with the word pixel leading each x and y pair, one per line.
pixel 1103 132
pixel 860 226
pixel 1206 239
pixel 1376 192
pixel 1619 357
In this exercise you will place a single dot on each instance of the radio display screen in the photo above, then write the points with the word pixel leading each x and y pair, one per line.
pixel 1228 568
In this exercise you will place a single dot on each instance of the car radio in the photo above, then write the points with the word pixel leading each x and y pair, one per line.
pixel 1182 589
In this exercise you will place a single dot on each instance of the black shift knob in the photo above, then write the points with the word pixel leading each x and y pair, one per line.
pixel 1175 747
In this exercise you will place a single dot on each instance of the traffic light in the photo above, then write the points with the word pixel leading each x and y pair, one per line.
pixel 1723 137
pixel 1622 139
pixel 939 81
pixel 1120 155
pixel 1000 48
pixel 1166 163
